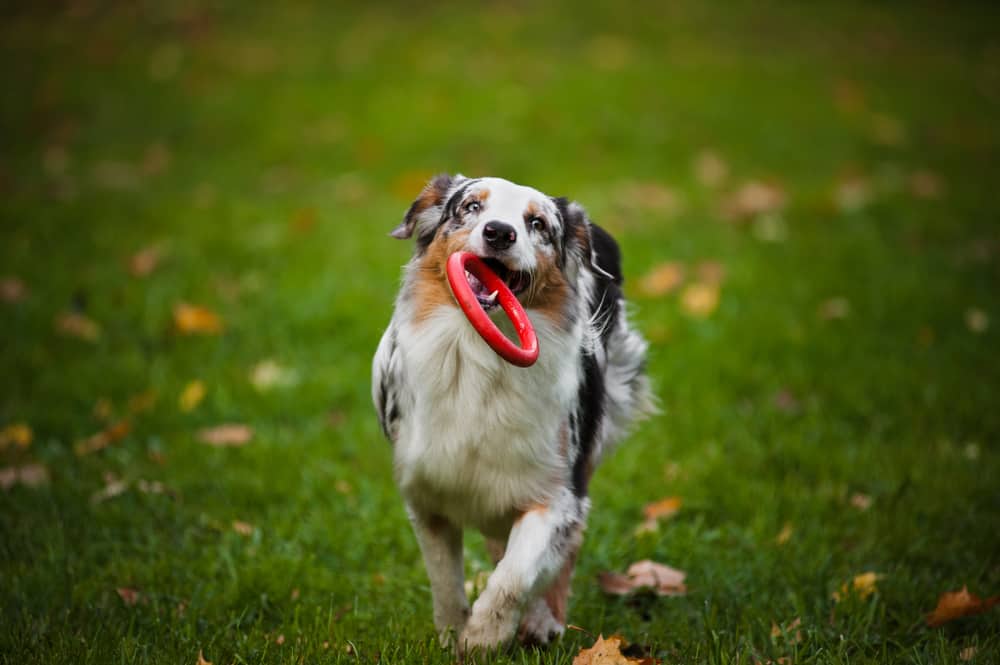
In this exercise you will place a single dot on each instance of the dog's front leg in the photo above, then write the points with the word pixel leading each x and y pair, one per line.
pixel 539 543
pixel 441 544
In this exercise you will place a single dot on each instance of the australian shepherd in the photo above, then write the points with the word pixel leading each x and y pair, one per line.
pixel 480 443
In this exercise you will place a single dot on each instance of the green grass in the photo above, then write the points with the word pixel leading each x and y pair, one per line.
pixel 338 113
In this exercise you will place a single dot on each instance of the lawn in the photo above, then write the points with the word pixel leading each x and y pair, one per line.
pixel 806 197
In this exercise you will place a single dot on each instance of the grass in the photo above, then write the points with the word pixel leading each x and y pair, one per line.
pixel 268 153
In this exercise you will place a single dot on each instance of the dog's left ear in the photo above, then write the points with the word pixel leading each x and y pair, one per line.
pixel 425 212
pixel 578 237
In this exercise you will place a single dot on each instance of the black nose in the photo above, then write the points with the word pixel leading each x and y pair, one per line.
pixel 499 235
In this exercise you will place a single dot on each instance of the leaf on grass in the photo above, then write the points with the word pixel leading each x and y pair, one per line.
pixel 785 534
pixel 861 501
pixel 103 439
pixel 196 320
pixel 12 290
pixel 191 396
pixel 662 579
pixel 113 486
pixel 752 199
pixel 243 528
pixel 201 659
pixel 662 279
pixel 229 435
pixel 789 633
pixel 609 652
pixel 651 196
pixel 710 272
pixel 28 475
pixel 268 374
pixel 145 261
pixel 957 604
pixel 700 299
pixel 16 435
pixel 967 654
pixel 658 510
pixel 710 169
pixel 976 320
pixel 129 596
pixel 81 326
pixel 861 586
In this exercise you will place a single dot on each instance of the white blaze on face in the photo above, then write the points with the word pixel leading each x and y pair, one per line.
pixel 508 203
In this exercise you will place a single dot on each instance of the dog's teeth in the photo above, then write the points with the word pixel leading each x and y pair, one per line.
pixel 492 296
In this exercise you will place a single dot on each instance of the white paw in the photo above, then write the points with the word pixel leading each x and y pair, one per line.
pixel 538 626
pixel 487 631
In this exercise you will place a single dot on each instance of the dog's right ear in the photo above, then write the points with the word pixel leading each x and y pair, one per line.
pixel 425 212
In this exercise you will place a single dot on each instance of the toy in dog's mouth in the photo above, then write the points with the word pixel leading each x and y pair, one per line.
pixel 516 280
pixel 480 285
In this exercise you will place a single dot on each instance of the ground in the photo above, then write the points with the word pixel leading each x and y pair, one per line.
pixel 820 178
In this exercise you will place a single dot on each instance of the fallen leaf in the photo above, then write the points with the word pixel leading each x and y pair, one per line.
pixel 852 194
pixel 700 299
pixel 662 279
pixel 103 439
pixel 194 319
pixel 18 435
pixel 976 320
pixel 662 509
pixel 75 324
pixel 790 633
pixel 754 198
pixel 957 604
pixel 609 652
pixel 861 501
pixel 12 290
pixel 29 475
pixel 280 640
pixel 834 308
pixel 662 579
pixel 243 528
pixel 710 169
pixel 710 272
pixel 145 261
pixel 201 659
pixel 926 185
pixel 785 534
pixel 967 654
pixel 268 374
pixel 113 486
pixel 191 396
pixel 295 594
pixel 229 435
pixel 129 596
pixel 862 586
pixel 651 196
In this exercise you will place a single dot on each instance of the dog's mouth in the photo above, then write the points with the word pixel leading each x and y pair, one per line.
pixel 516 280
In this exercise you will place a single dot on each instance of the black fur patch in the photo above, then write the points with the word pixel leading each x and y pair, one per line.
pixel 589 412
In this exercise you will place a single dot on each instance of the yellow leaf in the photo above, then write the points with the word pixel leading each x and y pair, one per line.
pixel 862 586
pixel 194 319
pixel 145 261
pixel 608 652
pixel 700 299
pixel 662 509
pixel 662 279
pixel 243 528
pixel 16 434
pixel 103 438
pixel 785 534
pixel 191 396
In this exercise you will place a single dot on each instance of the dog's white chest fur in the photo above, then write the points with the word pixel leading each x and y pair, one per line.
pixel 479 436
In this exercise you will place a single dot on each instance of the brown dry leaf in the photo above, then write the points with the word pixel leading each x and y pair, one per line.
pixel 785 534
pixel 976 320
pixel 662 279
pixel 243 528
pixel 790 632
pixel 700 299
pixel 967 654
pixel 12 290
pixel 710 272
pixel 862 586
pixel 29 475
pixel 230 435
pixel 103 439
pixel 201 659
pixel 268 374
pixel 191 396
pixel 662 509
pixel 81 326
pixel 861 501
pixel 194 320
pixel 957 604
pixel 710 169
pixel 609 652
pixel 662 579
pixel 145 261
pixel 17 435
pixel 129 596
pixel 754 198
pixel 280 639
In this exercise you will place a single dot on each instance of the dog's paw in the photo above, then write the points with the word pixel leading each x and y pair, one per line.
pixel 486 633
pixel 539 627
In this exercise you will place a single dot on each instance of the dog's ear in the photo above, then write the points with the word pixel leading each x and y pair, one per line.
pixel 425 212
pixel 584 242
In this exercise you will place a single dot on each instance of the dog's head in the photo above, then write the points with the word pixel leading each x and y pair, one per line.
pixel 534 242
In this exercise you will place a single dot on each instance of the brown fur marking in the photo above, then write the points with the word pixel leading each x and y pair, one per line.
pixel 549 291
pixel 557 596
pixel 431 289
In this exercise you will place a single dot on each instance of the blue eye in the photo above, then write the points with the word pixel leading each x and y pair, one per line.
pixel 473 206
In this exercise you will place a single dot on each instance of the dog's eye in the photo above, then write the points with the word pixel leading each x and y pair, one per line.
pixel 537 224
pixel 473 206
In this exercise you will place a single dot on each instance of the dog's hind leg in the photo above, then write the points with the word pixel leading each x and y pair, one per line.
pixel 441 544
pixel 541 541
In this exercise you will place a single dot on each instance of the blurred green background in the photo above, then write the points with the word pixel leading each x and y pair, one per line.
pixel 805 194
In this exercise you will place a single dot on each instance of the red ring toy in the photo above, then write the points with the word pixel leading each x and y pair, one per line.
pixel 522 356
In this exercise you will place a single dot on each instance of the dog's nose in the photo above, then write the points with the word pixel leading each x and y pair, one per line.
pixel 499 235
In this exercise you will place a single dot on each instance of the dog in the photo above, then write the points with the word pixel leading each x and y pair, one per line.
pixel 480 443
